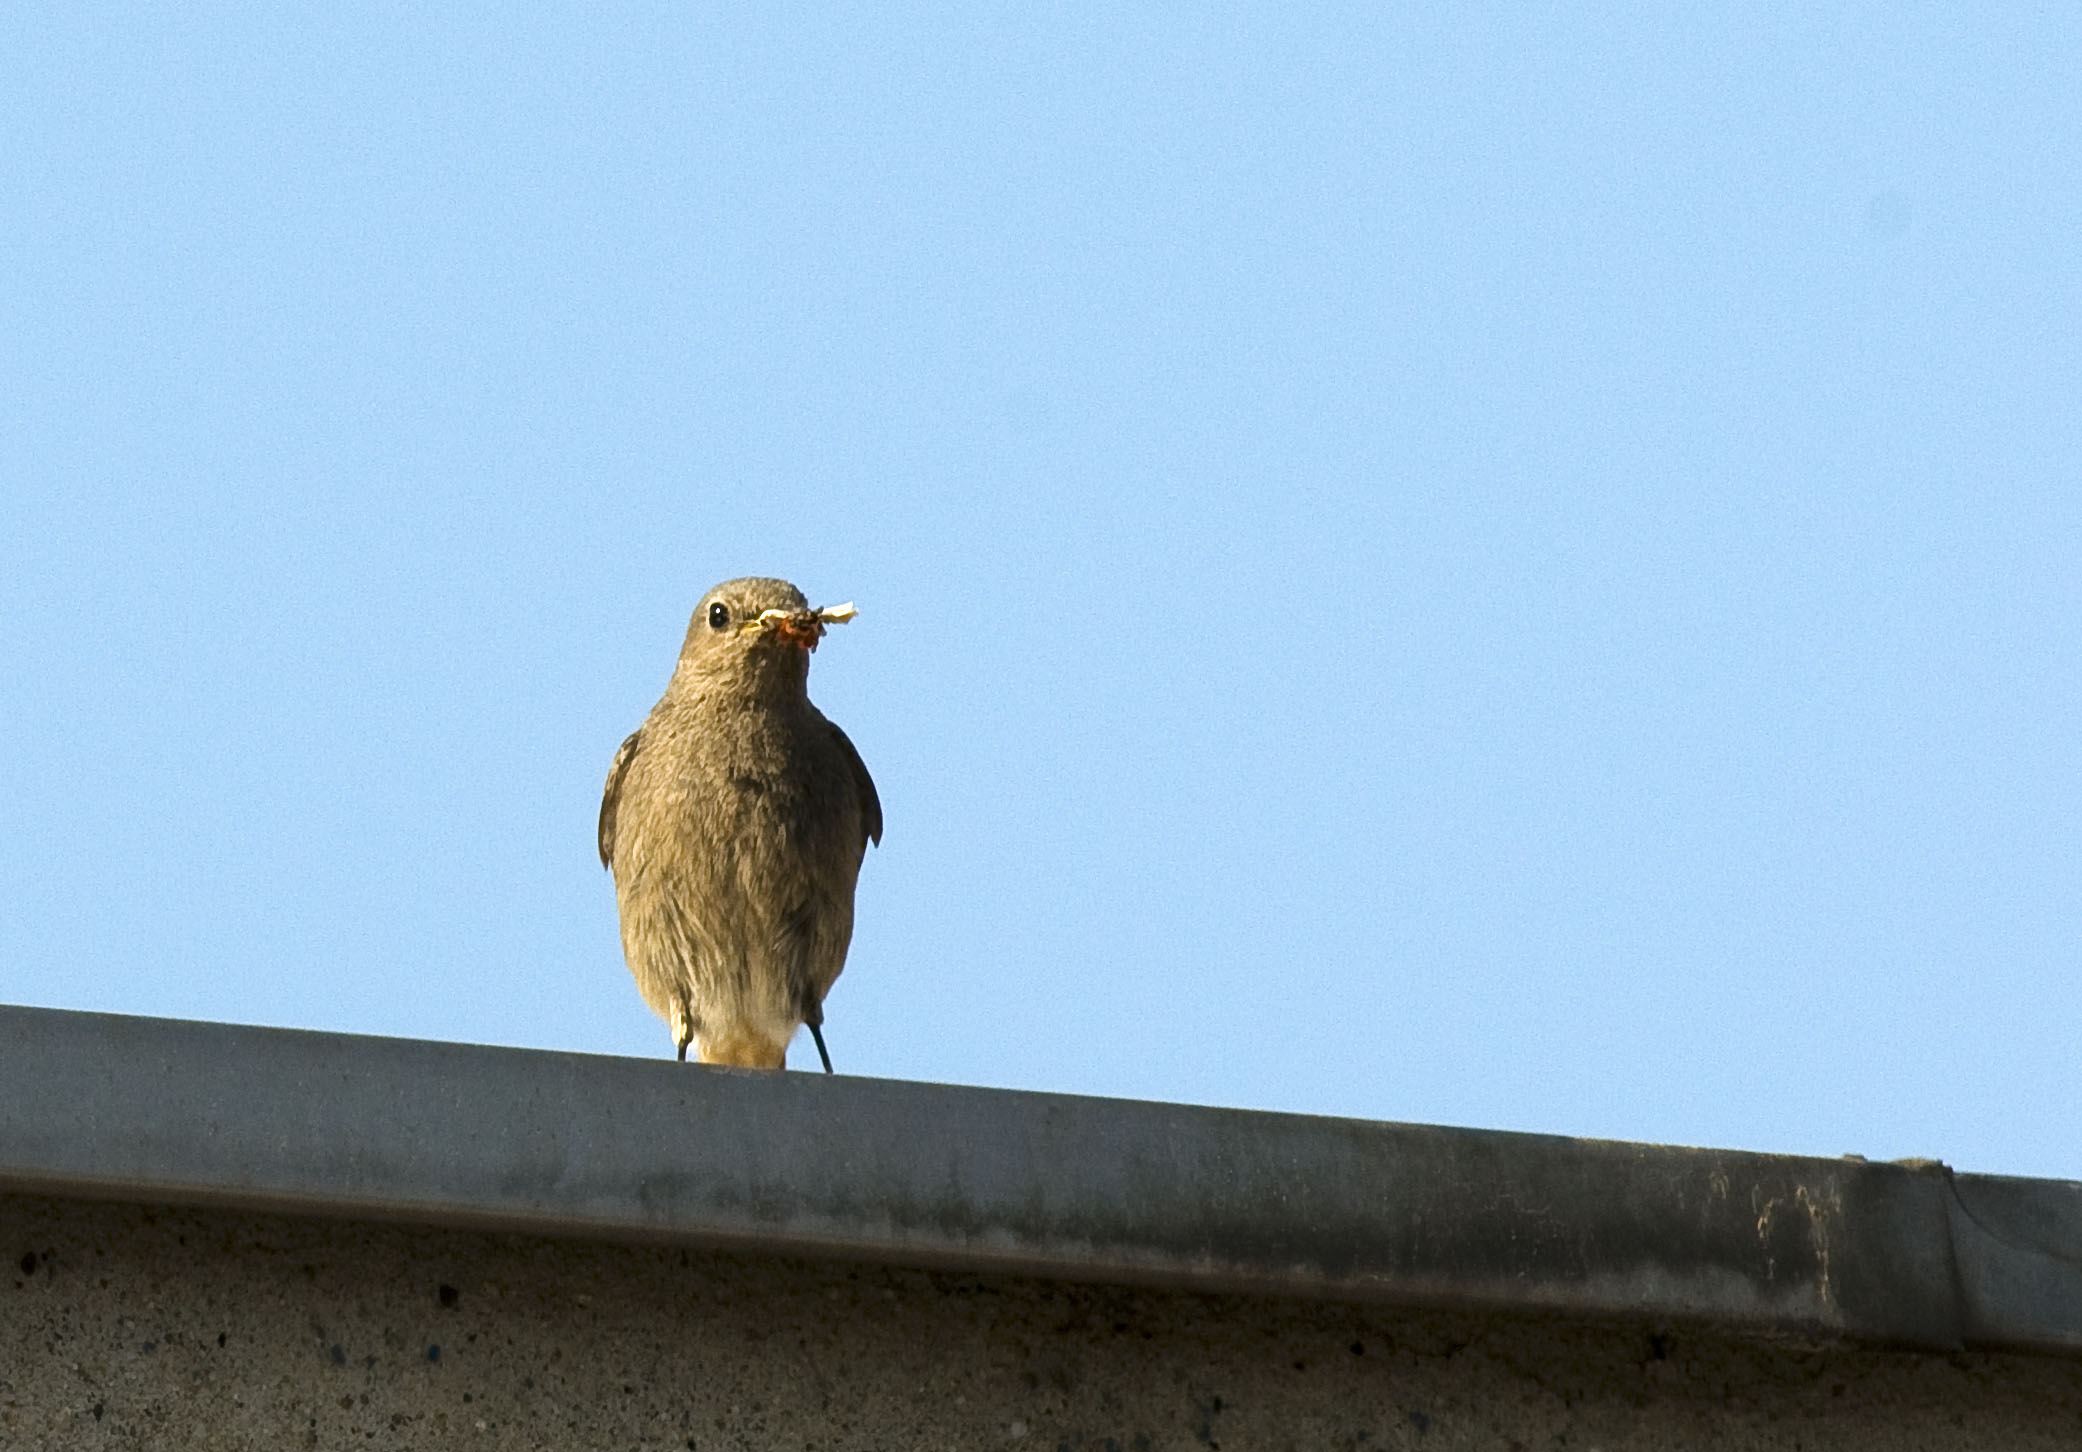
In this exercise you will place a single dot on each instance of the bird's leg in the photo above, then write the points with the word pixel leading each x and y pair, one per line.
pixel 813 1020
pixel 682 1029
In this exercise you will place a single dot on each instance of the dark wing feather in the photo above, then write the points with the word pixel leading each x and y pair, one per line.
pixel 612 797
pixel 870 804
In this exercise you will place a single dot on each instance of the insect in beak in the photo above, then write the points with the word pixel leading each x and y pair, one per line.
pixel 803 628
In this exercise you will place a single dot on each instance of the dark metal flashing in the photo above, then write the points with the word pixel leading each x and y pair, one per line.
pixel 157 1110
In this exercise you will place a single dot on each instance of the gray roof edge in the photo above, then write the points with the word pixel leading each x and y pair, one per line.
pixel 159 1110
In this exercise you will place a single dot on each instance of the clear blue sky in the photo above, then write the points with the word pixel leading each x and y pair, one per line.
pixel 1485 566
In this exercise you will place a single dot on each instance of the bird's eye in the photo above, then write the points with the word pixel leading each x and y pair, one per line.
pixel 718 616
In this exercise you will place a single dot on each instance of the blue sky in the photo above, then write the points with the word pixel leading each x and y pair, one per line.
pixel 1503 566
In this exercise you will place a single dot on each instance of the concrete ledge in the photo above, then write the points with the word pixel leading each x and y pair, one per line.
pixel 160 1111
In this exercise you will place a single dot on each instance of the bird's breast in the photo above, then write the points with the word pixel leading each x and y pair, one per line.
pixel 743 786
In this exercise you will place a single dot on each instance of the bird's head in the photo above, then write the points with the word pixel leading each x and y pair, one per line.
pixel 756 629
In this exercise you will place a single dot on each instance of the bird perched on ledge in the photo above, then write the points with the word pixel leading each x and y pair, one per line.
pixel 734 821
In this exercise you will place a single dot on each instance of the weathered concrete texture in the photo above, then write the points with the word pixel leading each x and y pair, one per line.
pixel 126 1326
pixel 995 1182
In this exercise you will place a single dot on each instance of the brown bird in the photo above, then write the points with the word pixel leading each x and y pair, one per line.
pixel 735 820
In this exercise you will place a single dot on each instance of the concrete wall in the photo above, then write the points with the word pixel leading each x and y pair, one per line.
pixel 125 1326
pixel 219 1237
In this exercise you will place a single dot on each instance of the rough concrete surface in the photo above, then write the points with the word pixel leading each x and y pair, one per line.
pixel 128 1326
pixel 1008 1183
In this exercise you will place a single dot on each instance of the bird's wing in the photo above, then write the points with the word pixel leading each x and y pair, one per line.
pixel 870 804
pixel 612 797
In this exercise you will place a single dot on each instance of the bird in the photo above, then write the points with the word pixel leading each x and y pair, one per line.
pixel 734 822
